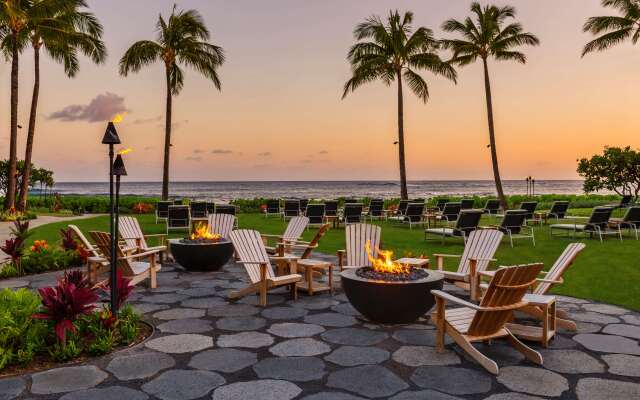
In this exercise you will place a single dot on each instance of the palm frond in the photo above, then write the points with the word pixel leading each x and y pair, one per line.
pixel 606 41
pixel 417 85
pixel 505 55
pixel 140 54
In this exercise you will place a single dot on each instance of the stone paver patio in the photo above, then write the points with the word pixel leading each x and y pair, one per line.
pixel 319 348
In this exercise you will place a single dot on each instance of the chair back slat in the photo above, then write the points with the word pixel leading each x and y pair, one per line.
pixel 250 248
pixel 563 262
pixel 600 216
pixel 295 228
pixel 131 232
pixel 103 241
pixel 530 207
pixel 221 223
pixel 482 246
pixel 84 241
pixel 357 236
pixel 492 206
pixel 314 242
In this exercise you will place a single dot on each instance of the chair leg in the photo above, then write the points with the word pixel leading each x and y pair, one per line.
pixel 440 324
pixel 483 360
pixel 526 351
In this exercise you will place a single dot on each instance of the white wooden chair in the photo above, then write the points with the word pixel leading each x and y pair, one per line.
pixel 131 233
pixel 253 255
pixel 291 234
pixel 356 238
pixel 221 224
pixel 478 252
pixel 96 263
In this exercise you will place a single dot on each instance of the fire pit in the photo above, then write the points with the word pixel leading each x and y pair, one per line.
pixel 388 292
pixel 202 251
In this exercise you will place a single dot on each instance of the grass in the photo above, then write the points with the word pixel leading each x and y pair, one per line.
pixel 608 272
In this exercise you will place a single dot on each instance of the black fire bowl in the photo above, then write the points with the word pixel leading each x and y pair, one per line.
pixel 203 256
pixel 398 302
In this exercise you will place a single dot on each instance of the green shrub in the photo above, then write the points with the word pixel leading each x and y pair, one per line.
pixel 21 336
pixel 50 260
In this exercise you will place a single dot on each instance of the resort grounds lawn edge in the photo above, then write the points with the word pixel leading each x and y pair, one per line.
pixel 608 272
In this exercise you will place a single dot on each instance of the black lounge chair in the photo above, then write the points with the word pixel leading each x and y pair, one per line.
pixel 466 204
pixel 211 207
pixel 630 221
pixel 413 215
pixel 376 209
pixel 466 223
pixel 529 207
pixel 291 208
pixel 440 203
pixel 450 212
pixel 514 225
pixel 303 206
pixel 625 202
pixel 177 202
pixel 273 207
pixel 178 218
pixel 492 207
pixel 352 213
pixel 198 210
pixel 226 209
pixel 350 201
pixel 597 224
pixel 402 207
pixel 315 213
pixel 331 208
pixel 559 209
pixel 162 210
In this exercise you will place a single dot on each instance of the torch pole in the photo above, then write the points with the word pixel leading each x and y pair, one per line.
pixel 114 233
pixel 114 272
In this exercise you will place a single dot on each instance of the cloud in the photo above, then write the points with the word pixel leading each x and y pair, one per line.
pixel 193 158
pixel 147 120
pixel 198 151
pixel 323 152
pixel 221 151
pixel 101 108
pixel 264 154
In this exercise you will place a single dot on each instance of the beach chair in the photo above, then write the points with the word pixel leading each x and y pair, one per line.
pixel 291 209
pixel 450 212
pixel 630 221
pixel 96 262
pixel 413 215
pixel 479 251
pixel 466 204
pixel 179 218
pixel 529 207
pixel 162 210
pixel 131 232
pixel 177 202
pixel 487 321
pixel 491 207
pixel 198 210
pixel 315 213
pixel 352 213
pixel 350 201
pixel 272 208
pixel 376 209
pixel 252 254
pixel 356 238
pixel 221 224
pixel 226 209
pixel 211 207
pixel 558 210
pixel 514 225
pixel 402 207
pixel 291 234
pixel 130 265
pixel 598 224
pixel 440 203
pixel 625 202
pixel 467 222
pixel 303 206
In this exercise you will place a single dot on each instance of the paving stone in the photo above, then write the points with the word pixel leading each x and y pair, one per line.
pixel 182 384
pixel 332 396
pixel 631 319
pixel 179 313
pixel 346 309
pixel 571 362
pixel 512 396
pixel 528 380
pixel 184 343
pixel 419 326
pixel 502 354
pixel 139 366
pixel 205 284
pixel 605 309
pixel 188 325
pixel 13 283
pixel 295 330
pixel 368 380
pixel 605 389
pixel 593 317
pixel 631 331
pixel 418 337
pixel 423 395
pixel 164 289
pixel 204 302
pixel 166 298
pixel 303 347
pixel 417 356
pixel 223 360
pixel 251 340
pixel 144 308
pixel 585 327
pixel 241 324
pixel 107 393
pixel 608 343
pixel 341 297
pixel 197 292
pixel 562 342
pixel 567 299
pixel 67 379
pixel 11 388
pixel 315 303
pixel 296 369
pixel 233 310
pixel 288 313
pixel 272 299
pixel 265 389
pixel 354 336
pixel 350 356
pixel 330 319
pixel 623 364
pixel 452 380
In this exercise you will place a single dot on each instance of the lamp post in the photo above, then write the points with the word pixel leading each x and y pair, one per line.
pixel 118 171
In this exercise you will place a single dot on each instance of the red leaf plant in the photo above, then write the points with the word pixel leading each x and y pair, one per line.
pixel 68 239
pixel 14 248
pixel 124 288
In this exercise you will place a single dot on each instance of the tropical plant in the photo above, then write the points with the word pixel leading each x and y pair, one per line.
pixel 14 248
pixel 124 288
pixel 617 169
pixel 182 39
pixel 392 51
pixel 614 29
pixel 21 230
pixel 486 36
pixel 68 241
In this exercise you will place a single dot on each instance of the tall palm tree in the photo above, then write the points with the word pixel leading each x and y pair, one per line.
pixel 486 36
pixel 615 29
pixel 183 39
pixel 392 51
pixel 61 32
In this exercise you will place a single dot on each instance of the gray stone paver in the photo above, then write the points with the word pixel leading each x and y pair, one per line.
pixel 605 389
pixel 452 380
pixel 623 364
pixel 139 366
pixel 417 356
pixel 350 356
pixel 332 396
pixel 608 343
pixel 11 388
pixel 294 330
pixel 296 369
pixel 370 380
pixel 181 384
pixel 223 360
pixel 241 324
pixel 189 325
pixel 630 331
pixel 183 343
pixel 203 302
pixel 233 310
pixel 302 347
pixel 67 379
pixel 179 313
pixel 534 381
pixel 264 389
pixel 424 395
pixel 571 362
pixel 251 340
pixel 354 336
pixel 284 312
pixel 331 320
pixel 108 393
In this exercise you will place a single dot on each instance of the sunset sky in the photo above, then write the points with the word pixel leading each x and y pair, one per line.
pixel 280 115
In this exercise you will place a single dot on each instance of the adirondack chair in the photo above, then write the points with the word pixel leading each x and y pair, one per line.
pixel 478 252
pixel 291 234
pixel 131 233
pixel 130 265
pixel 357 236
pixel 486 321
pixel 253 255
pixel 96 263
pixel 221 223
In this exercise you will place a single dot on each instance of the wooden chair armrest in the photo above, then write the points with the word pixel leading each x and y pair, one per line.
pixel 447 255
pixel 298 246
pixel 139 255
pixel 558 282
pixel 91 259
pixel 449 297
pixel 251 262
pixel 488 274
pixel 284 258
pixel 155 235
pixel 266 235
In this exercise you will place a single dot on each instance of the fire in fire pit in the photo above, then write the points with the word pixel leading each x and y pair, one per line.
pixel 384 269
pixel 202 251
pixel 201 234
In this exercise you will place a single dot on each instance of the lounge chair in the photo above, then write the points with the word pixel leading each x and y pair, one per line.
pixel 130 265
pixel 162 210
pixel 291 209
pixel 315 213
pixel 450 212
pixel 630 221
pixel 376 209
pixel 440 203
pixel 253 255
pixel 402 207
pixel 352 213
pixel 492 207
pixel 226 209
pixel 514 225
pixel 131 233
pixel 303 206
pixel 558 210
pixel 221 224
pixel 198 210
pixel 467 222
pixel 486 321
pixel 597 224
pixel 179 218
pixel 466 204
pixel 291 234
pixel 529 207
pixel 413 215
pixel 211 207
pixel 330 209
pixel 357 236
pixel 272 208
pixel 625 202
pixel 350 201
pixel 177 202
pixel 479 251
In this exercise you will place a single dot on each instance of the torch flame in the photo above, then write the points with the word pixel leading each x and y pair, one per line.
pixel 384 263
pixel 201 231
pixel 118 117
pixel 125 151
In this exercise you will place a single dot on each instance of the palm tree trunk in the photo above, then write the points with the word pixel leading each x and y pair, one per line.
pixel 492 137
pixel 10 198
pixel 167 142
pixel 26 174
pixel 403 170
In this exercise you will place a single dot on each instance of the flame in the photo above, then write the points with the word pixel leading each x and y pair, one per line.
pixel 384 263
pixel 201 231
pixel 125 151
pixel 118 117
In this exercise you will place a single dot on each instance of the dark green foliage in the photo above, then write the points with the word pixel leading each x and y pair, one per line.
pixel 614 29
pixel 617 169
pixel 72 348
pixel 50 260
pixel 21 336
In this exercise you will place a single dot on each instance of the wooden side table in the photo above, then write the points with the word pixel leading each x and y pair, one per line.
pixel 310 266
pixel 414 262
pixel 536 333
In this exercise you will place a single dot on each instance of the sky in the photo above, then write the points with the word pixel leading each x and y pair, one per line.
pixel 280 115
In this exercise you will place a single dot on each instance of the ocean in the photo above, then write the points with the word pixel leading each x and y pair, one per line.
pixel 225 191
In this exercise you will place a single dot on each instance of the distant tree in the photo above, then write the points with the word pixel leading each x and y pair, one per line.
pixel 614 29
pixel 183 39
pixel 617 169
pixel 483 37
pixel 39 175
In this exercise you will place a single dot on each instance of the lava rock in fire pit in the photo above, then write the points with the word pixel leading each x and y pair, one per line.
pixel 413 274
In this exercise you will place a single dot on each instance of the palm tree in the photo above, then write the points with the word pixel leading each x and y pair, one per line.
pixel 181 40
pixel 486 37
pixel 614 29
pixel 61 33
pixel 390 52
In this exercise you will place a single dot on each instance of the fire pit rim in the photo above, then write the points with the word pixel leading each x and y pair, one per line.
pixel 431 277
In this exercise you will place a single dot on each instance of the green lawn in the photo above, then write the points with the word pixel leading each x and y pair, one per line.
pixel 608 272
